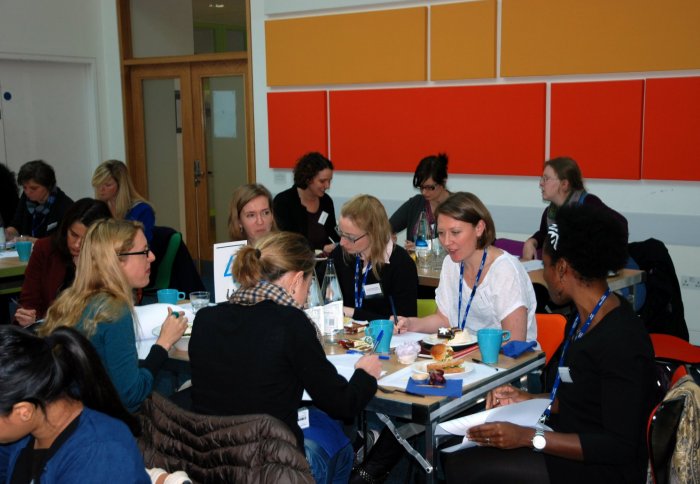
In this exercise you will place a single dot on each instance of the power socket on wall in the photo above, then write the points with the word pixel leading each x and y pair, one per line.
pixel 690 282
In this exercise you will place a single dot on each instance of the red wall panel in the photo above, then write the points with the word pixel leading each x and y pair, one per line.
pixel 495 130
pixel 672 129
pixel 599 124
pixel 296 123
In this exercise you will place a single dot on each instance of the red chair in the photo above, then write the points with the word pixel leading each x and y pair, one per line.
pixel 674 356
pixel 550 332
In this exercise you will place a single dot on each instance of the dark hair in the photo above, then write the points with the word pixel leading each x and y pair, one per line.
pixel 272 256
pixel 468 208
pixel 591 240
pixel 433 166
pixel 39 171
pixel 567 169
pixel 9 195
pixel 86 211
pixel 308 167
pixel 62 365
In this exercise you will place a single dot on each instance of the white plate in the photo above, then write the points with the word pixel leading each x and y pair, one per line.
pixel 433 340
pixel 421 369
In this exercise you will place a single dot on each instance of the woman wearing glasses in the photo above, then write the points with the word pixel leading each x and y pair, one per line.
pixel 306 208
pixel 561 185
pixel 372 269
pixel 603 383
pixel 115 260
pixel 431 179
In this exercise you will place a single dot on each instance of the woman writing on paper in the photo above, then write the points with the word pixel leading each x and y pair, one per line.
pixel 604 388
pixel 115 260
pixel 431 179
pixel 259 353
pixel 250 213
pixel 371 267
pixel 306 208
pixel 562 185
pixel 480 285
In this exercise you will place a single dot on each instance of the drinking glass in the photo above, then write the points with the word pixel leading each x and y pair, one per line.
pixel 199 300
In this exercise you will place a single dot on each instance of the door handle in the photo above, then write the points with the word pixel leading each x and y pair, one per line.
pixel 197 173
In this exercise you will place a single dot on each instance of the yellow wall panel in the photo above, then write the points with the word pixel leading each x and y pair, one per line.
pixel 463 40
pixel 380 46
pixel 550 37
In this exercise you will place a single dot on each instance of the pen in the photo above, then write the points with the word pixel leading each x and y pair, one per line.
pixel 332 241
pixel 393 310
pixel 379 340
pixel 476 360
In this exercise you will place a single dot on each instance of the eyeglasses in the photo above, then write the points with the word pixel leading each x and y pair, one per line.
pixel 545 178
pixel 350 238
pixel 141 252
pixel 429 188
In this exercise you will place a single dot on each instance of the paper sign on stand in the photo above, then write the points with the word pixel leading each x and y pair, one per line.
pixel 224 254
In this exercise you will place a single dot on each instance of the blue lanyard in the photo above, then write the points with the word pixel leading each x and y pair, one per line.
pixel 360 289
pixel 567 342
pixel 476 283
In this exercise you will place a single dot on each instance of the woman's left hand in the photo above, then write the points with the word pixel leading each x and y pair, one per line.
pixel 502 435
pixel 328 248
pixel 172 329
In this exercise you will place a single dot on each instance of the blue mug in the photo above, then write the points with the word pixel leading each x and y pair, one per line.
pixel 170 296
pixel 490 341
pixel 24 249
pixel 375 327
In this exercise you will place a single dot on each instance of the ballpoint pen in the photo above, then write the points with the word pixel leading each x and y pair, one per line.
pixel 393 310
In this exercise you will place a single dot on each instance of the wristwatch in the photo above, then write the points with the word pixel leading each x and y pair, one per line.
pixel 538 440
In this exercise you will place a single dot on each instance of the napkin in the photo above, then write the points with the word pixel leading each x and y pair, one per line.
pixel 517 348
pixel 451 388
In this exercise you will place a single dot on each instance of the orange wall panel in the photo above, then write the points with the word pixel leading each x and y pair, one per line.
pixel 379 46
pixel 599 124
pixel 495 130
pixel 296 124
pixel 463 40
pixel 672 129
pixel 551 37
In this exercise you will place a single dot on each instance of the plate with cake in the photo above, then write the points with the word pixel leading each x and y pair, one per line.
pixel 452 337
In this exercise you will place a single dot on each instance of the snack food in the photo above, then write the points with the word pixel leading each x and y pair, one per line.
pixel 451 365
pixel 441 352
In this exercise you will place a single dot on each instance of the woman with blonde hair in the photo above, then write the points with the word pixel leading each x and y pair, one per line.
pixel 250 213
pixel 263 327
pixel 113 186
pixel 370 266
pixel 115 260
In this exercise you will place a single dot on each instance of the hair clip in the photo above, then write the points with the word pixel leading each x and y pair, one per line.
pixel 553 233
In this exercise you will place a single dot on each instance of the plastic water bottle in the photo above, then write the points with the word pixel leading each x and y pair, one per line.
pixel 332 300
pixel 423 242
pixel 314 304
pixel 2 237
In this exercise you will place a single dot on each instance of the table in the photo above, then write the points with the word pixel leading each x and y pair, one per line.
pixel 11 274
pixel 425 412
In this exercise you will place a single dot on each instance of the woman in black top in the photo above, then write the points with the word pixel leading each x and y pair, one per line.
pixel 41 206
pixel 306 208
pixel 370 266
pixel 259 353
pixel 606 387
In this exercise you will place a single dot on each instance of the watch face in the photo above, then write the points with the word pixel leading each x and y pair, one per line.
pixel 538 442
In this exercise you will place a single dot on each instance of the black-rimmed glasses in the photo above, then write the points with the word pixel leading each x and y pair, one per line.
pixel 350 238
pixel 428 188
pixel 141 252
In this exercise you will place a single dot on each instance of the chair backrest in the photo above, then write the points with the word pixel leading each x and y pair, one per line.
pixel 165 269
pixel 243 448
pixel 426 307
pixel 661 436
pixel 513 247
pixel 550 332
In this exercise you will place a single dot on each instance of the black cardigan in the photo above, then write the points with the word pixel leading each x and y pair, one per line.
pixel 46 225
pixel 398 278
pixel 260 358
pixel 291 215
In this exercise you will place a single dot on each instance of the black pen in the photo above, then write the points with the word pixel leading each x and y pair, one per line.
pixel 393 310
pixel 476 360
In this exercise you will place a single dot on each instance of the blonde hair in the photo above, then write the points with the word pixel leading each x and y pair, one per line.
pixel 368 213
pixel 273 255
pixel 241 196
pixel 127 196
pixel 99 279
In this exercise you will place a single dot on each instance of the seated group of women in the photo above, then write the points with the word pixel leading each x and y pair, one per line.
pixel 480 286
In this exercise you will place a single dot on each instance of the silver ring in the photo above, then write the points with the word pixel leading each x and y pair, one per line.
pixel 488 440
pixel 497 401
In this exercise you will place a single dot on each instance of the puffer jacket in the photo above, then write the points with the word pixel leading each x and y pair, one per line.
pixel 241 449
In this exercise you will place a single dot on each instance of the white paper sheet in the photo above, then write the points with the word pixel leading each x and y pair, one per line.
pixel 525 413
pixel 399 339
pixel 151 316
pixel 8 254
pixel 533 265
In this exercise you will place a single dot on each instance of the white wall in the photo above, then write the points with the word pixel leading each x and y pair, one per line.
pixel 669 211
pixel 65 30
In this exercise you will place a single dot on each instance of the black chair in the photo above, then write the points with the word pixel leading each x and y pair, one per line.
pixel 661 436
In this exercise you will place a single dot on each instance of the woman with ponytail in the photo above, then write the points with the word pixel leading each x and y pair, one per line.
pixel 259 353
pixel 61 419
